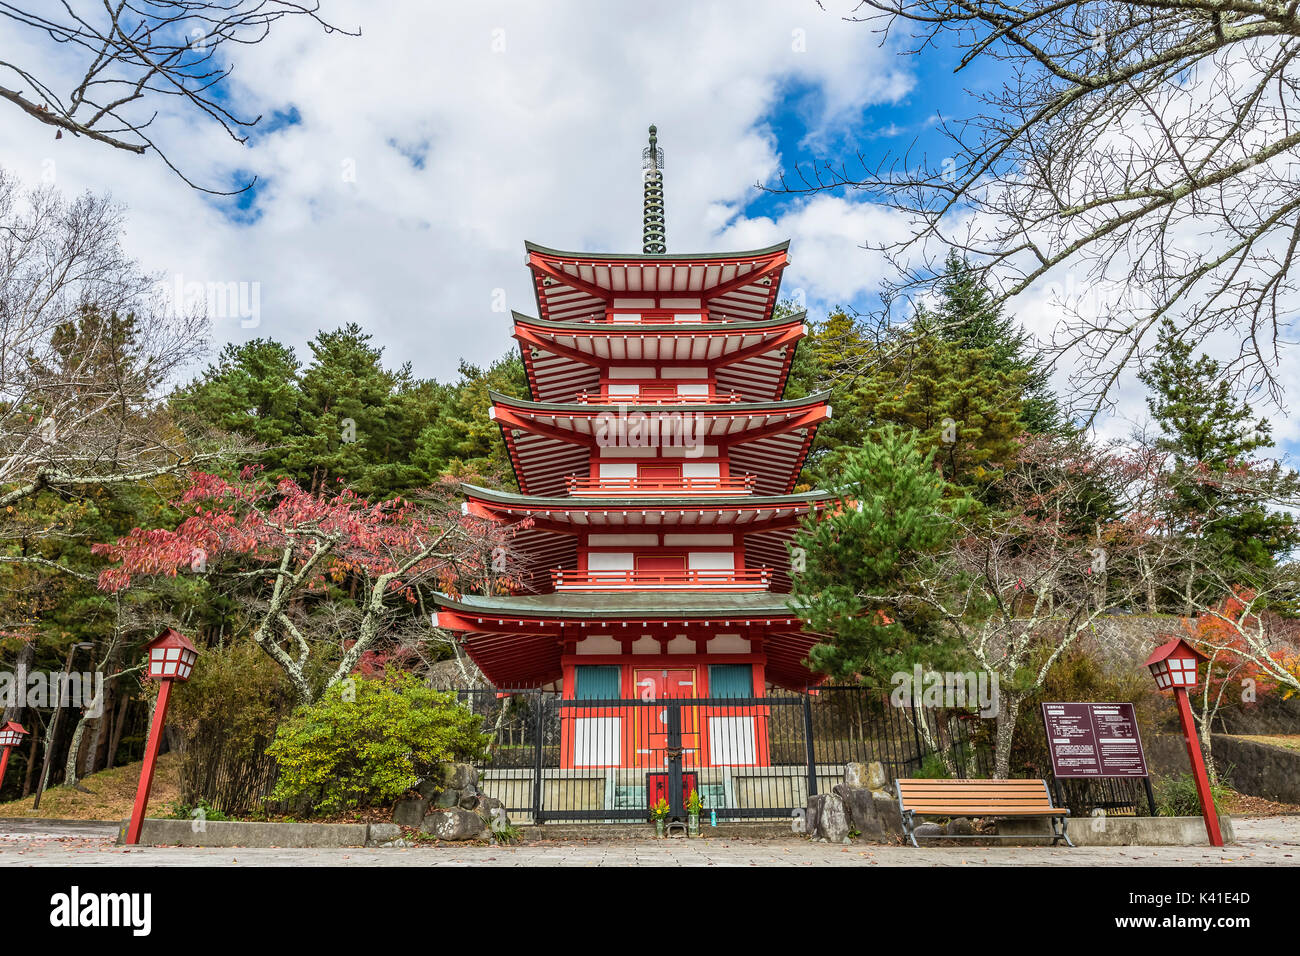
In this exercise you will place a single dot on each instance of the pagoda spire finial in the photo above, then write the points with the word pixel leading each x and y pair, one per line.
pixel 652 232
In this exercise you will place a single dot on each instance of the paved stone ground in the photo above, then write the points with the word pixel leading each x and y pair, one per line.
pixel 1268 841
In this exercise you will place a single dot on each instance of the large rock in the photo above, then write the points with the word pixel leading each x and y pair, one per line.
pixel 468 799
pixel 487 807
pixel 813 815
pixel 429 787
pixel 860 805
pixel 833 822
pixel 891 818
pixel 960 826
pixel 855 775
pixel 927 831
pixel 453 825
pixel 410 812
pixel 458 776
pixel 869 776
pixel 447 799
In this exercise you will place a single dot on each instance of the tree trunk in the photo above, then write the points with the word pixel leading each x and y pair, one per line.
pixel 921 719
pixel 118 725
pixel 31 761
pixel 95 749
pixel 26 654
pixel 71 765
pixel 1008 713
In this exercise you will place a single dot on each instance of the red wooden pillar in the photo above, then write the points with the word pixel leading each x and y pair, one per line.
pixel 1174 666
pixel 150 758
pixel 1198 768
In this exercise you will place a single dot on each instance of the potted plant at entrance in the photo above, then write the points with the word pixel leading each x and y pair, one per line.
pixel 659 813
pixel 693 806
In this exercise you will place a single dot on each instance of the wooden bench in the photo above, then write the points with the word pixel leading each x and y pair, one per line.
pixel 979 798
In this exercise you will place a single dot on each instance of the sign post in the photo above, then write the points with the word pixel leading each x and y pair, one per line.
pixel 1094 740
pixel 1097 741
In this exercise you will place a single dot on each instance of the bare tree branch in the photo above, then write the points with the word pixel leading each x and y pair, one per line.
pixel 134 54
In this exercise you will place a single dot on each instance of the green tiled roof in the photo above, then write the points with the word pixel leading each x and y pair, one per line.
pixel 736 407
pixel 601 605
pixel 570 327
pixel 645 502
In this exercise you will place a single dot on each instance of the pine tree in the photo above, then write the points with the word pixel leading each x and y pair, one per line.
pixel 895 510
pixel 961 406
pixel 463 439
pixel 968 316
pixel 1209 433
pixel 252 390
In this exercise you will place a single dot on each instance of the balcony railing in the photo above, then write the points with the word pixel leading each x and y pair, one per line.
pixel 615 398
pixel 737 579
pixel 620 487
pixel 649 318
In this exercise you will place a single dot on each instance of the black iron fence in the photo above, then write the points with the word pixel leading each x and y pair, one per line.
pixel 748 758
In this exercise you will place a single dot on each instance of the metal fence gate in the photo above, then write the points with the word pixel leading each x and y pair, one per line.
pixel 748 758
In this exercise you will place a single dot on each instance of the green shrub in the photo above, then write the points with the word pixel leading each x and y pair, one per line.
pixel 366 742
pixel 1176 795
pixel 932 768
pixel 227 714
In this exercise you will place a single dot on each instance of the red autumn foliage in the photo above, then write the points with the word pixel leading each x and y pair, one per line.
pixel 329 536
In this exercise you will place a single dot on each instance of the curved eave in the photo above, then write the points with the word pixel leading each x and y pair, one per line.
pixel 662 328
pixel 716 411
pixel 543 503
pixel 750 357
pixel 663 257
pixel 573 286
pixel 605 605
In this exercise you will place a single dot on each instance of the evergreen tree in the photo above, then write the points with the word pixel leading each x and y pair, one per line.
pixel 832 358
pixel 895 510
pixel 962 407
pixel 968 316
pixel 1208 434
pixel 963 375
pixel 352 431
pixel 252 390
pixel 463 439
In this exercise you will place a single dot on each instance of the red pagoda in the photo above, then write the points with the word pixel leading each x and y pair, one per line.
pixel 656 462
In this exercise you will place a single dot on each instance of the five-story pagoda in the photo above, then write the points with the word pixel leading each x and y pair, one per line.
pixel 656 462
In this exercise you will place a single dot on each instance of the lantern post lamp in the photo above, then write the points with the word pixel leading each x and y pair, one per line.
pixel 1173 665
pixel 171 658
pixel 11 734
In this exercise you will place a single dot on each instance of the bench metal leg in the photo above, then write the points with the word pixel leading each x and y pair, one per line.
pixel 909 827
pixel 1059 830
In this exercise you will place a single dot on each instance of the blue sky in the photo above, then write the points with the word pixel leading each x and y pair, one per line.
pixel 399 173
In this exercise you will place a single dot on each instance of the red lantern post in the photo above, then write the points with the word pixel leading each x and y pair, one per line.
pixel 1174 666
pixel 11 735
pixel 171 658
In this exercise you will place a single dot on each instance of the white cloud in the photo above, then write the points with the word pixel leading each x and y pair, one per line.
pixel 525 121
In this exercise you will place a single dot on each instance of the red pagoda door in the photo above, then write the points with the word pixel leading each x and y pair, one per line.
pixel 650 566
pixel 655 476
pixel 651 724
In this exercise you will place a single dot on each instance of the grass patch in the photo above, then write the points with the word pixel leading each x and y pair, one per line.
pixel 112 794
pixel 1285 741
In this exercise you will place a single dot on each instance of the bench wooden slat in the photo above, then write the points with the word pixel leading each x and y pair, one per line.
pixel 972 784
pixel 991 798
